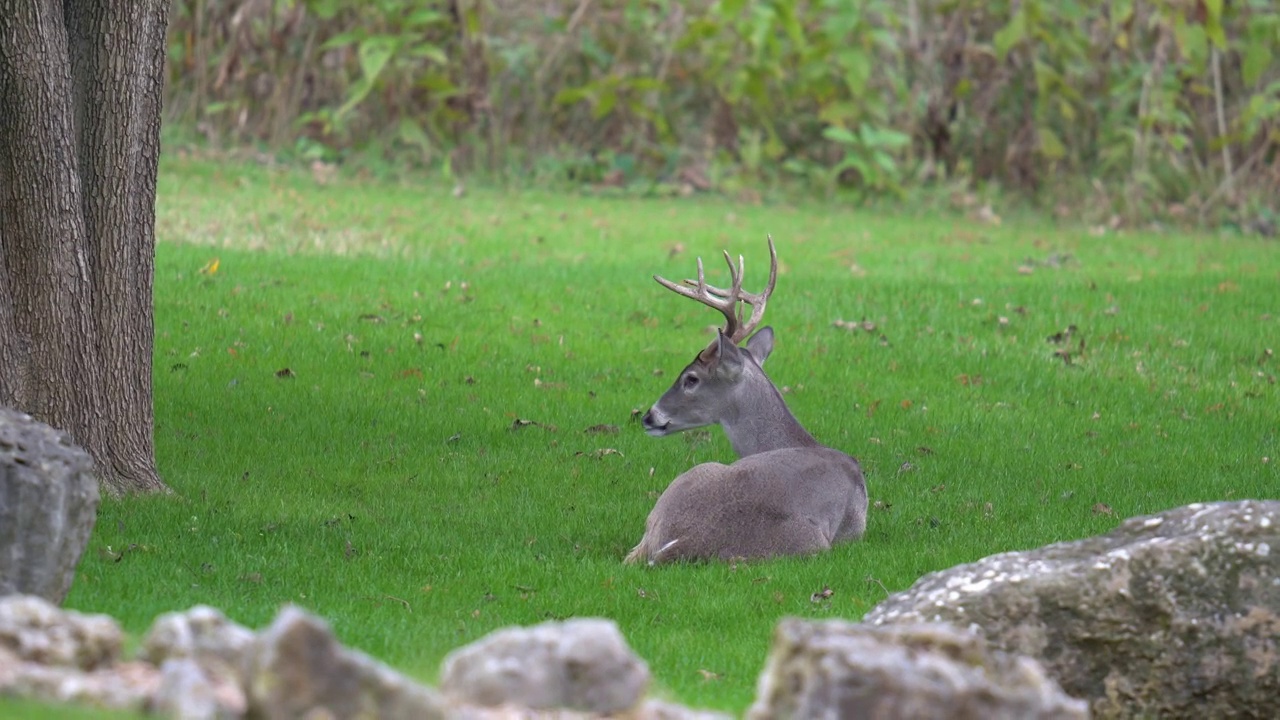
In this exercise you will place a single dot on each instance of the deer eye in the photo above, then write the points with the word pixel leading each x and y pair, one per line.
pixel 690 382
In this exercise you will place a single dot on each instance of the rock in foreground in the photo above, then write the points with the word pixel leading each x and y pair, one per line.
pixel 48 504
pixel 840 670
pixel 298 669
pixel 582 664
pixel 1176 615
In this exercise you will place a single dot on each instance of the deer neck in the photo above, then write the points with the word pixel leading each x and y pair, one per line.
pixel 761 421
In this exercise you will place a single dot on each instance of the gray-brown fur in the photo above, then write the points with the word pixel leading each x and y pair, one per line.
pixel 786 495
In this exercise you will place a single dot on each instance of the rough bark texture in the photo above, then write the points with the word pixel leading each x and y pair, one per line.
pixel 48 501
pixel 1176 615
pixel 836 669
pixel 81 85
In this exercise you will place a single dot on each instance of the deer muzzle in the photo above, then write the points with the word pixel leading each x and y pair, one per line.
pixel 655 422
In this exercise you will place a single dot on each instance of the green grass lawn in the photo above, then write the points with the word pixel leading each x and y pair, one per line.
pixel 340 407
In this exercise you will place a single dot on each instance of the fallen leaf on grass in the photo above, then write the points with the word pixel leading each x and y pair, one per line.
pixel 597 454
pixel 708 676
pixel 1062 336
pixel 871 409
pixel 602 429
pixel 863 324
pixel 521 423
pixel 285 374
pixel 1103 509
pixel 824 594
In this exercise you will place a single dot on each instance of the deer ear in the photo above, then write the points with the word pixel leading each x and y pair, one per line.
pixel 760 345
pixel 722 356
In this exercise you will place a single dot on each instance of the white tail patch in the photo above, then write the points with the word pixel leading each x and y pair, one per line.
pixel 653 559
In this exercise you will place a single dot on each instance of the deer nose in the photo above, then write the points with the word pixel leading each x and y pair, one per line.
pixel 655 423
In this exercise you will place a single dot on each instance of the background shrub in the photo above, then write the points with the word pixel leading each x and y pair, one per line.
pixel 1134 105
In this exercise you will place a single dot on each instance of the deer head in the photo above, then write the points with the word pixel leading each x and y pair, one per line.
pixel 725 380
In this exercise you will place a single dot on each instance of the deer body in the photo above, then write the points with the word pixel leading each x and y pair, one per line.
pixel 786 495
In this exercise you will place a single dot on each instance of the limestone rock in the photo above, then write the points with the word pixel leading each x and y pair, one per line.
pixel 122 686
pixel 48 504
pixel 580 664
pixel 202 633
pixel 648 710
pixel 37 631
pixel 296 668
pixel 1176 615
pixel 659 710
pixel 188 691
pixel 837 669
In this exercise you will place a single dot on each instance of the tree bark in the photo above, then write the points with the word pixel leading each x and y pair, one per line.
pixel 81 82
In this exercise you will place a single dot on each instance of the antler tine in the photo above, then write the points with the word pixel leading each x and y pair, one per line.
pixel 705 294
pixel 729 302
pixel 758 301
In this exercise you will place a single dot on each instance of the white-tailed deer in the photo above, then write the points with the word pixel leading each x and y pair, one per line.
pixel 787 494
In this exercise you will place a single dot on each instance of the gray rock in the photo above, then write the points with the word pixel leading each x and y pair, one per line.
pixel 122 686
pixel 296 668
pixel 203 658
pixel 189 692
pixel 202 633
pixel 836 669
pixel 581 664
pixel 37 631
pixel 1176 615
pixel 659 710
pixel 648 710
pixel 48 504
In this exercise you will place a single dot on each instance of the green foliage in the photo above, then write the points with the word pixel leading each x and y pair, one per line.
pixel 337 405
pixel 807 76
pixel 1161 102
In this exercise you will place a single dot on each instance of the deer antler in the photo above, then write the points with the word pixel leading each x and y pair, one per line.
pixel 727 301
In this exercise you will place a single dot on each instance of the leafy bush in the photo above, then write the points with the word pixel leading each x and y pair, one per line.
pixel 1158 103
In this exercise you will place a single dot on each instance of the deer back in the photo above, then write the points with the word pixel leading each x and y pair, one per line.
pixel 791 501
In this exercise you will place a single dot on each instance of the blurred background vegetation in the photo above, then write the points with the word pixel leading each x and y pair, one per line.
pixel 1110 111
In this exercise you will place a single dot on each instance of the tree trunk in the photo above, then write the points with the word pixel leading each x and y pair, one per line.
pixel 80 84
